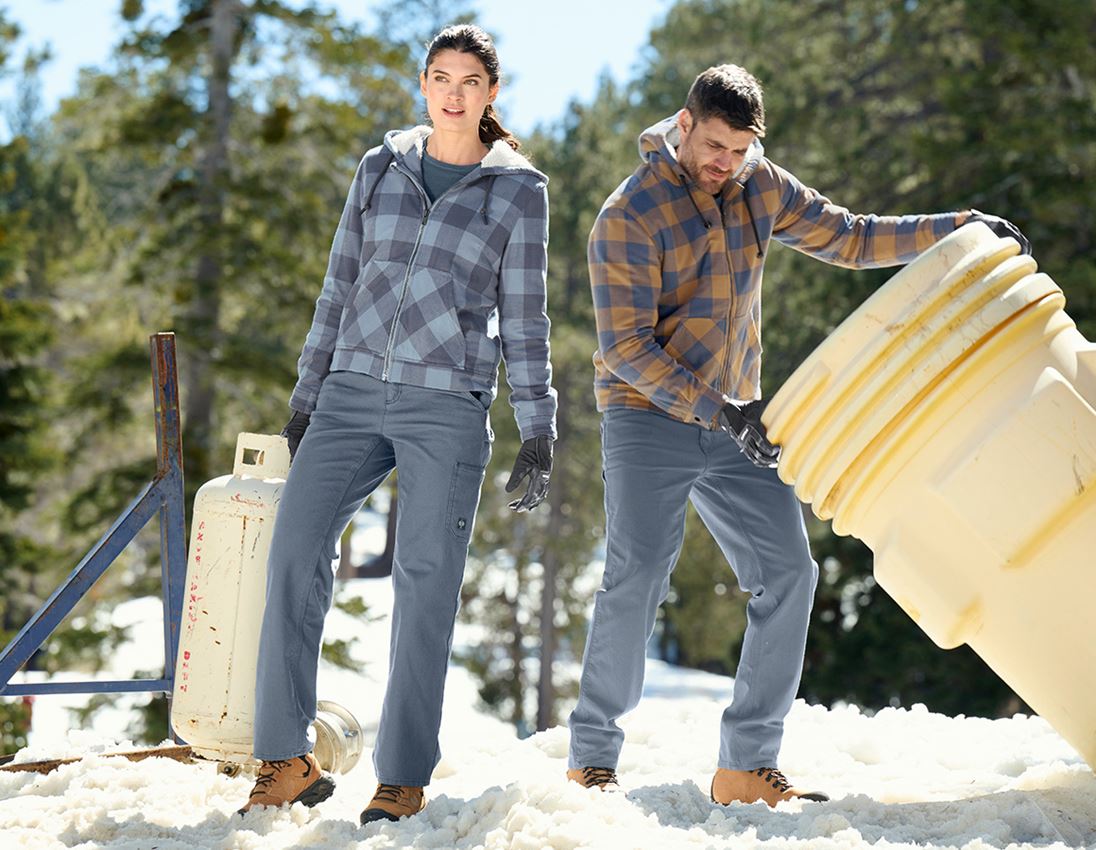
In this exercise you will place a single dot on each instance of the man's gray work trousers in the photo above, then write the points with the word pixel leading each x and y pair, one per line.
pixel 652 465
pixel 360 430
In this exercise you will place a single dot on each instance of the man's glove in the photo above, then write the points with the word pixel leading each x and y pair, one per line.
pixel 743 422
pixel 1001 227
pixel 534 460
pixel 294 430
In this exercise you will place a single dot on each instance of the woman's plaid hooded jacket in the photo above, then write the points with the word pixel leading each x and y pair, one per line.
pixel 433 294
pixel 676 275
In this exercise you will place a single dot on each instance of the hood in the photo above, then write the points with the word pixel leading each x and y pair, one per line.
pixel 500 159
pixel 658 147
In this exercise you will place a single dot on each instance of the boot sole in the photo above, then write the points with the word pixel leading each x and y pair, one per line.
pixel 373 815
pixel 317 792
pixel 813 796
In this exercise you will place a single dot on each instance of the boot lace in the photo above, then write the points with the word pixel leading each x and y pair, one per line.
pixel 598 776
pixel 388 793
pixel 774 777
pixel 268 774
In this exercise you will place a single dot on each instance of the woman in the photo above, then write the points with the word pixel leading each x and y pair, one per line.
pixel 437 268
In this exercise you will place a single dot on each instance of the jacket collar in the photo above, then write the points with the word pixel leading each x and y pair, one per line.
pixel 407 145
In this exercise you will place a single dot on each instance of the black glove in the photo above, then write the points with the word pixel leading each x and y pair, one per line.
pixel 1001 227
pixel 294 430
pixel 743 423
pixel 534 460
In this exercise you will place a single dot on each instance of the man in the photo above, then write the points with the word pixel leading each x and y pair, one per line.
pixel 676 258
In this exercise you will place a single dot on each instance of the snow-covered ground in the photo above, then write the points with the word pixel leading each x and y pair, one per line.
pixel 902 778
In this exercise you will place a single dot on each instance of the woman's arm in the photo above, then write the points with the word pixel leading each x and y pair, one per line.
pixel 342 270
pixel 523 319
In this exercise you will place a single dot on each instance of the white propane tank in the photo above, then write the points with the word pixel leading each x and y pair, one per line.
pixel 213 703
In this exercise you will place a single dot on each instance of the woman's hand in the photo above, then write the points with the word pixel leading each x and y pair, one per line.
pixel 294 431
pixel 535 461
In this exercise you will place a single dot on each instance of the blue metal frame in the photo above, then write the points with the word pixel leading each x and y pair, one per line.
pixel 164 494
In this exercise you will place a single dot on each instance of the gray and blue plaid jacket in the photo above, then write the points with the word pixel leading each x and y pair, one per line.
pixel 434 294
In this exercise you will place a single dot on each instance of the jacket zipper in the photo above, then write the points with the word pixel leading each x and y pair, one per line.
pixel 426 207
pixel 725 369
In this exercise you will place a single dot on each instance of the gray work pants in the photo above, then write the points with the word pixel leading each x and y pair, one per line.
pixel 652 465
pixel 360 430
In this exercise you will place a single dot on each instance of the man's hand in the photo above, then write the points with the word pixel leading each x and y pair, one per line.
pixel 743 422
pixel 1001 227
pixel 534 460
pixel 294 430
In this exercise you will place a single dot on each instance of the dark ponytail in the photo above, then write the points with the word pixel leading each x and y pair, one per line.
pixel 490 129
pixel 468 38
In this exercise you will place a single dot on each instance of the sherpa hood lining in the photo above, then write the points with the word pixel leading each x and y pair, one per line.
pixel 501 158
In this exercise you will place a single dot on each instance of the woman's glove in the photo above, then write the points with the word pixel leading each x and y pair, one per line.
pixel 294 431
pixel 535 461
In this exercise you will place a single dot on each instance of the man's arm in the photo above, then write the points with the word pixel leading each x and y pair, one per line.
pixel 811 223
pixel 626 280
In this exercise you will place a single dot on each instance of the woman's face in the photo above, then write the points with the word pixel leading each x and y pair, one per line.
pixel 457 91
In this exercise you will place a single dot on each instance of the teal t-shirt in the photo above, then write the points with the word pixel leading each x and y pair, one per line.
pixel 438 176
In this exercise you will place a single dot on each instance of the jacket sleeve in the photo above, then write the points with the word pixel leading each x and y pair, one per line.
pixel 811 223
pixel 343 265
pixel 523 319
pixel 626 279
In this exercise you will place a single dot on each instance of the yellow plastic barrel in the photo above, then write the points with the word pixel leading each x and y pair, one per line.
pixel 949 424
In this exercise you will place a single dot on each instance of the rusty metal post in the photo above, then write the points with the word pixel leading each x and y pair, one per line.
pixel 163 495
pixel 169 474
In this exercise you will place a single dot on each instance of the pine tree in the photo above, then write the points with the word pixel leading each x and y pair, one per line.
pixel 212 160
pixel 26 331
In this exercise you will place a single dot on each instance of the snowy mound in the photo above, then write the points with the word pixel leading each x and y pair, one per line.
pixel 902 778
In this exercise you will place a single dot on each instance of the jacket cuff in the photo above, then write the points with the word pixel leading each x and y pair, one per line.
pixel 538 428
pixel 707 407
pixel 303 400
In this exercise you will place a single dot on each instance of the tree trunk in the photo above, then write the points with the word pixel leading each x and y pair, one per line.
pixel 203 315
pixel 557 498
pixel 546 690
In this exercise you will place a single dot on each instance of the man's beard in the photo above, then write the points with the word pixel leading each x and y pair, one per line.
pixel 705 181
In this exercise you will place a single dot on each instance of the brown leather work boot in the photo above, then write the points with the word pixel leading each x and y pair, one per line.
pixel 604 778
pixel 749 786
pixel 295 780
pixel 392 802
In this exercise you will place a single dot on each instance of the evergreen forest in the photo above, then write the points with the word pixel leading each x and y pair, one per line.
pixel 193 184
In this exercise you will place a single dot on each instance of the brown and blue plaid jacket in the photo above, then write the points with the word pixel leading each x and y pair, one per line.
pixel 677 280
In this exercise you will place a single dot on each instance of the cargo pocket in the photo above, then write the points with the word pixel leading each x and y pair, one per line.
pixel 464 495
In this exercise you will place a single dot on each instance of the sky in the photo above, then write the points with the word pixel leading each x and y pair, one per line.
pixel 599 35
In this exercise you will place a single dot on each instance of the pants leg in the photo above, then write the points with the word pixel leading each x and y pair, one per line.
pixel 758 523
pixel 341 460
pixel 442 446
pixel 650 463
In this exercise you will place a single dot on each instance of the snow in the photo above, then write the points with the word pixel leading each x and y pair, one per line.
pixel 900 778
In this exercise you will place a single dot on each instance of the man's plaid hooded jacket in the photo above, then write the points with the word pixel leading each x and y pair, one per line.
pixel 677 280
pixel 433 294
